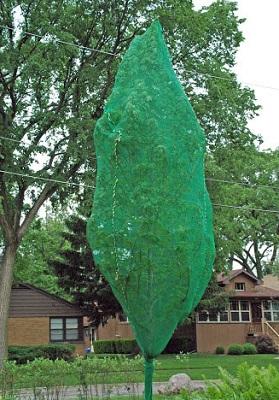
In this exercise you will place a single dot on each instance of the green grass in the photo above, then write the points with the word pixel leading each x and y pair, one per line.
pixel 197 366
pixel 205 366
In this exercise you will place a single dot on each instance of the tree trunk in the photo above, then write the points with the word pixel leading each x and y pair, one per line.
pixel 6 279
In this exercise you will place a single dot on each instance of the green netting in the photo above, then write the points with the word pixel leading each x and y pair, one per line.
pixel 151 224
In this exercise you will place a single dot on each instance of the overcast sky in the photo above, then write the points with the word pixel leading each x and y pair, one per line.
pixel 258 62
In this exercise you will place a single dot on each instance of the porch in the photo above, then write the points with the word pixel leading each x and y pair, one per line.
pixel 242 321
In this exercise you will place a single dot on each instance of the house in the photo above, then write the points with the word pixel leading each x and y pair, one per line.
pixel 253 310
pixel 37 317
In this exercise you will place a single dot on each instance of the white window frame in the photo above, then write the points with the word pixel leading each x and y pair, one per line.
pixel 229 311
pixel 240 283
pixel 271 310
pixel 239 311
pixel 214 322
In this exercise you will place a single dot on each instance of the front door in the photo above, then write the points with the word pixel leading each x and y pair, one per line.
pixel 256 308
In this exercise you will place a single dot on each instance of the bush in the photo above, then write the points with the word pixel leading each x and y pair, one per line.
pixel 180 345
pixel 220 350
pixel 23 354
pixel 249 383
pixel 120 346
pixel 235 350
pixel 265 345
pixel 249 348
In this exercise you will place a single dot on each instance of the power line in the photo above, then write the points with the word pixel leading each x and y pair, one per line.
pixel 93 187
pixel 207 179
pixel 46 179
pixel 12 140
pixel 242 183
pixel 246 208
pixel 61 41
pixel 116 55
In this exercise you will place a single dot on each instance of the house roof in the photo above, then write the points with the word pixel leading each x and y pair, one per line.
pixel 271 281
pixel 225 277
pixel 28 300
pixel 258 291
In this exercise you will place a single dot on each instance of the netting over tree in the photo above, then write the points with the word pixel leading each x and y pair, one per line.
pixel 151 225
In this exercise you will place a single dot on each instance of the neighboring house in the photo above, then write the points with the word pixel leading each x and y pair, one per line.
pixel 37 317
pixel 253 310
pixel 119 328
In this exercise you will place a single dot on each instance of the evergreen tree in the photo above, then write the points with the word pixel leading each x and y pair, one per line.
pixel 79 277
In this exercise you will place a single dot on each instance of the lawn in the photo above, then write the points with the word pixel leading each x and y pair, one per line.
pixel 205 366
pixel 197 366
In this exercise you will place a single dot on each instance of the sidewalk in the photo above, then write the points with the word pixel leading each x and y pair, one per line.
pixel 101 390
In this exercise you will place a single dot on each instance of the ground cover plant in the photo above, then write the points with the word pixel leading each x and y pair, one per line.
pixel 252 383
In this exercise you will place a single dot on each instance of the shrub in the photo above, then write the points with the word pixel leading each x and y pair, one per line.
pixel 120 346
pixel 249 348
pixel 23 354
pixel 265 345
pixel 235 349
pixel 180 345
pixel 220 350
pixel 249 383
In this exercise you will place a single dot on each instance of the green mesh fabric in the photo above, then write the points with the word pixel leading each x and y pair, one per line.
pixel 151 224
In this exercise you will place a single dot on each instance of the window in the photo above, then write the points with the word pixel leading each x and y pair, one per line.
pixel 65 329
pixel 240 311
pixel 211 316
pixel 240 286
pixel 271 310
pixel 123 317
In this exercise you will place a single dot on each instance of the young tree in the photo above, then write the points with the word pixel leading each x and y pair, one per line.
pixel 52 92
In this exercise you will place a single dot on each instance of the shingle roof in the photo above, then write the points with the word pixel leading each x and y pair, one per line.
pixel 259 291
pixel 226 277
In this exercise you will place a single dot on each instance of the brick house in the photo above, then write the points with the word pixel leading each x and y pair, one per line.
pixel 253 310
pixel 37 317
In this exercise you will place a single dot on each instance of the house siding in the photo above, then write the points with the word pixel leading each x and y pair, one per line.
pixel 114 329
pixel 33 331
pixel 28 331
pixel 249 283
pixel 28 302
pixel 209 336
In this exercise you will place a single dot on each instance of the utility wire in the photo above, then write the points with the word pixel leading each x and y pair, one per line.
pixel 92 187
pixel 116 55
pixel 46 179
pixel 207 179
pixel 243 184
pixel 61 41
pixel 246 208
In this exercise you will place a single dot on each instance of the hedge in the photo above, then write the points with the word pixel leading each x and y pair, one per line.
pixel 23 354
pixel 119 346
pixel 180 345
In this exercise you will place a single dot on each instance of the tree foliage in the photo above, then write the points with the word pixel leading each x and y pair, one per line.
pixel 42 242
pixel 51 94
pixel 79 277
pixel 247 236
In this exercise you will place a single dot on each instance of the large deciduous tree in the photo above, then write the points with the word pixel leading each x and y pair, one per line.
pixel 249 234
pixel 51 94
pixel 43 241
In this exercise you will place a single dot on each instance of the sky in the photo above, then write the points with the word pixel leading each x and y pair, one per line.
pixel 257 63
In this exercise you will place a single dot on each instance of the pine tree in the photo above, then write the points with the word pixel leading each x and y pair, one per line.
pixel 79 277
